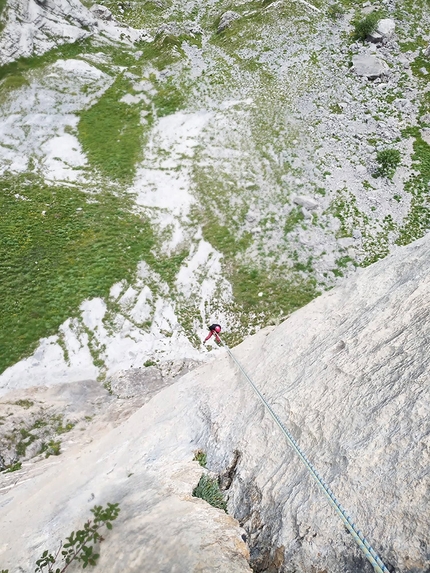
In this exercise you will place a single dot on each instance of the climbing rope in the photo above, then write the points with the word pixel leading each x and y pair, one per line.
pixel 359 538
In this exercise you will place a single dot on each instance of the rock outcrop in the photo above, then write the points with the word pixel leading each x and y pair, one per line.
pixel 227 19
pixel 347 374
pixel 369 66
pixel 33 28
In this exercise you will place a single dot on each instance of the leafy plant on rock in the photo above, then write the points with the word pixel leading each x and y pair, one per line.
pixel 80 545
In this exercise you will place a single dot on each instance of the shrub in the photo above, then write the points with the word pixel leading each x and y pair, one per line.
pixel 365 26
pixel 335 11
pixel 208 489
pixel 388 160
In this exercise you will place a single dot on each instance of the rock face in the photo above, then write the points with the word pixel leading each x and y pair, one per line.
pixel 35 27
pixel 369 66
pixel 348 375
pixel 226 19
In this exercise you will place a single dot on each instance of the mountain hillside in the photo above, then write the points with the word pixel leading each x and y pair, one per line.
pixel 164 165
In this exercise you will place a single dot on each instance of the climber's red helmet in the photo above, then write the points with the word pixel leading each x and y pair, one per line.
pixel 217 329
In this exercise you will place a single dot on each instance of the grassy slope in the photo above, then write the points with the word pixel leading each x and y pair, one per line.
pixel 80 254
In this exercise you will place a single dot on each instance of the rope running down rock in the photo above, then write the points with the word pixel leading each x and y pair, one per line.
pixel 359 538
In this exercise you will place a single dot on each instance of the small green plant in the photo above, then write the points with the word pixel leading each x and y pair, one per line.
pixel 208 489
pixel 200 456
pixel 335 11
pixel 13 468
pixel 365 26
pixel 149 363
pixel 24 403
pixel 80 545
pixel 388 160
pixel 52 448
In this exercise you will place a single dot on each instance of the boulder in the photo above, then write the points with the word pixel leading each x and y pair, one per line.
pixel 369 66
pixel 306 202
pixel 101 12
pixel 226 19
pixel 386 28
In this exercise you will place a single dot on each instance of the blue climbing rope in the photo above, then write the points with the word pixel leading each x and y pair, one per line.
pixel 359 538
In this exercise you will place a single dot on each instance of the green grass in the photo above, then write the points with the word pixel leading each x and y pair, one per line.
pixel 12 82
pixel 294 218
pixel 417 223
pixel 111 133
pixel 52 448
pixel 23 65
pixel 335 11
pixel 50 263
pixel 208 489
pixel 365 26
pixel 344 207
pixel 168 98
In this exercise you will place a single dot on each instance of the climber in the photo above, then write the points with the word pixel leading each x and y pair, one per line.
pixel 213 329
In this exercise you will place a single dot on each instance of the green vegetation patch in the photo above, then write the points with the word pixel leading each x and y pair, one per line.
pixel 22 65
pixel 26 404
pixel 52 448
pixel 294 218
pixel 200 456
pixel 344 208
pixel 50 263
pixel 365 26
pixel 13 467
pixel 417 223
pixel 111 133
pixel 168 98
pixel 335 11
pixel 208 489
pixel 388 161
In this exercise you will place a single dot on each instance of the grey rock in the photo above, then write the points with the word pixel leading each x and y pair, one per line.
pixel 101 12
pixel 226 19
pixel 425 134
pixel 130 383
pixel 369 66
pixel 375 37
pixel 306 202
pixel 386 28
pixel 345 242
pixel 348 375
pixel 306 214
